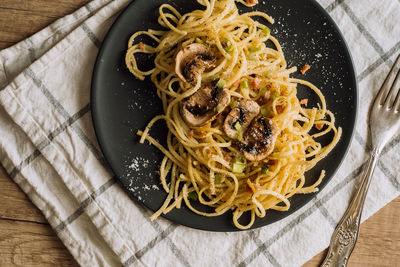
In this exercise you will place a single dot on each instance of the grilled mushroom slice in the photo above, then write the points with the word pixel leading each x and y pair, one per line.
pixel 192 60
pixel 204 106
pixel 240 117
pixel 259 139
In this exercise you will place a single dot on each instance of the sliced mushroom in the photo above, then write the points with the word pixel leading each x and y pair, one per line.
pixel 259 140
pixel 204 106
pixel 193 60
pixel 243 114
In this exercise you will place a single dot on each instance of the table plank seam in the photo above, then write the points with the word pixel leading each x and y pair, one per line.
pixel 31 12
pixel 23 221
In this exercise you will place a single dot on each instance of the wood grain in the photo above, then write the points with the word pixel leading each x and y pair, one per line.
pixel 31 244
pixel 14 204
pixel 21 18
pixel 27 240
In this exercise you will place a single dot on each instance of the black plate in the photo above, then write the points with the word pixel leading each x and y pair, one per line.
pixel 122 104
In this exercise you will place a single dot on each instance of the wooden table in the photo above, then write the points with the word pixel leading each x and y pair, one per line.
pixel 26 239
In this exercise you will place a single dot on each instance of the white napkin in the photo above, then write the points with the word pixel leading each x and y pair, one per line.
pixel 48 146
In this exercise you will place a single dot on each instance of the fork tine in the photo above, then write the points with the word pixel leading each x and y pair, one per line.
pixel 396 105
pixel 382 96
pixel 390 98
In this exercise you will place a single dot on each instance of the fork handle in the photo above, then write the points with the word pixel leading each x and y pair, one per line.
pixel 345 235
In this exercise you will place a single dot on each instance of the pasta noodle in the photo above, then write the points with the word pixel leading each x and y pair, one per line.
pixel 201 163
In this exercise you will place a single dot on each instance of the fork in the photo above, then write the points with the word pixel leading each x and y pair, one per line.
pixel 384 123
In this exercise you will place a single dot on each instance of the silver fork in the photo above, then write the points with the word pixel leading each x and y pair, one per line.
pixel 384 123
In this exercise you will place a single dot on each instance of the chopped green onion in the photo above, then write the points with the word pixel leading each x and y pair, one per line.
pixel 240 136
pixel 244 84
pixel 226 138
pixel 237 160
pixel 199 41
pixel 220 108
pixel 221 83
pixel 263 91
pixel 264 170
pixel 255 48
pixel 237 126
pixel 252 56
pixel 225 41
pixel 234 104
pixel 265 112
pixel 169 185
pixel 238 167
pixel 193 196
pixel 218 179
pixel 268 74
pixel 228 48
pixel 274 95
pixel 214 77
pixel 266 31
pixel 208 108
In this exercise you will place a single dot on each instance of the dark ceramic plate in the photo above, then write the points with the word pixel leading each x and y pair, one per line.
pixel 122 104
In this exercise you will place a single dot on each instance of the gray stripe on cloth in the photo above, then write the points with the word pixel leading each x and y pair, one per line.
pixel 32 53
pixel 14 172
pixel 365 33
pixel 332 6
pixel 326 213
pixel 48 140
pixel 389 175
pixel 355 173
pixel 379 61
pixel 361 141
pixel 170 243
pixel 394 142
pixel 265 252
pixel 386 172
pixel 60 227
pixel 90 34
pixel 90 9
pixel 65 114
pixel 139 254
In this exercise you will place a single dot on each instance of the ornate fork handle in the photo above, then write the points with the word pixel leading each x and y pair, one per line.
pixel 345 235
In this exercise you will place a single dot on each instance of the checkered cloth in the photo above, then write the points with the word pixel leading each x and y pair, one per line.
pixel 48 146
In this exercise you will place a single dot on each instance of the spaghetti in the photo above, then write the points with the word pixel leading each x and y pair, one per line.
pixel 202 162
